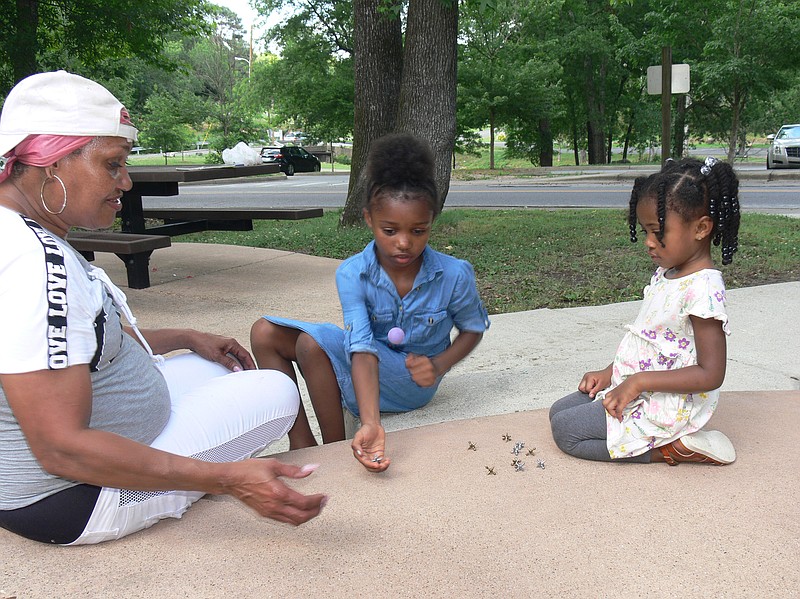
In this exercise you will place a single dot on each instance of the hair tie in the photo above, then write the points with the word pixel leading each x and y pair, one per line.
pixel 708 165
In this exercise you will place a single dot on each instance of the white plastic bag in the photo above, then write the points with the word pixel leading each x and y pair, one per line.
pixel 241 154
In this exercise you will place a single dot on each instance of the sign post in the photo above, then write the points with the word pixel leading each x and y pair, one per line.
pixel 666 102
pixel 665 80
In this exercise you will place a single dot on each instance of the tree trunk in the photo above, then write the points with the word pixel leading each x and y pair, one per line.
pixel 25 47
pixel 627 140
pixel 737 107
pixel 620 91
pixel 595 111
pixel 428 89
pixel 378 61
pixel 545 143
pixel 491 138
pixel 596 142
pixel 575 148
pixel 573 120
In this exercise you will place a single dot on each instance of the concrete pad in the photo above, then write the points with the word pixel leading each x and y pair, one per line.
pixel 437 525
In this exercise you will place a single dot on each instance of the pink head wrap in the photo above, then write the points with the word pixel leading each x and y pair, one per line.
pixel 42 150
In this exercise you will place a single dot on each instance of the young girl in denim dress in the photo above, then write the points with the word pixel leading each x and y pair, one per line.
pixel 652 402
pixel 400 300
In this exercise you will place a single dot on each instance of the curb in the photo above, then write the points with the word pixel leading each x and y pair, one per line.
pixel 767 177
pixel 554 177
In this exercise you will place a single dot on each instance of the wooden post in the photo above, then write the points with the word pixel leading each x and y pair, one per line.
pixel 250 59
pixel 666 101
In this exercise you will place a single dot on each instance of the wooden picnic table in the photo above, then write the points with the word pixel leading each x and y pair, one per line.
pixel 164 181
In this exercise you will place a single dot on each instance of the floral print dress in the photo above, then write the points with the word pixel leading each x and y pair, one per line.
pixel 662 338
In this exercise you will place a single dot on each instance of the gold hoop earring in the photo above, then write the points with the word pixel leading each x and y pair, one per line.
pixel 63 188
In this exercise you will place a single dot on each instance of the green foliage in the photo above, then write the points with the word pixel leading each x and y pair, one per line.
pixel 41 36
pixel 535 70
pixel 735 53
pixel 310 85
pixel 468 142
pixel 222 84
pixel 779 108
pixel 505 81
pixel 309 88
pixel 164 124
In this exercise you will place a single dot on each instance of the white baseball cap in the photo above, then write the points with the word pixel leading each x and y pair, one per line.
pixel 61 103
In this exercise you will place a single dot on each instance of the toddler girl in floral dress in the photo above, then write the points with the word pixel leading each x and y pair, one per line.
pixel 652 402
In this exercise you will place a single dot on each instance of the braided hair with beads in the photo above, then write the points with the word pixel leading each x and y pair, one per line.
pixel 693 188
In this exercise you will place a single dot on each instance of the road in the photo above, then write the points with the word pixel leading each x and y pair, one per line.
pixel 330 191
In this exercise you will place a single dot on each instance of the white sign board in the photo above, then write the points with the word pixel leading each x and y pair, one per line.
pixel 680 79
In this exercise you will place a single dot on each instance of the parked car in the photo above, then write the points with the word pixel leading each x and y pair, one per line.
pixel 297 137
pixel 784 149
pixel 292 159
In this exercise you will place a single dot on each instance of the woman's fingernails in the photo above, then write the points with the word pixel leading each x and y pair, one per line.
pixel 309 468
pixel 237 369
pixel 323 503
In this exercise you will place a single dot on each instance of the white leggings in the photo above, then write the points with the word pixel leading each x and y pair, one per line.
pixel 217 416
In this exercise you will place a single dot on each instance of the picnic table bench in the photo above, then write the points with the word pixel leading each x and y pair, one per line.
pixel 179 221
pixel 134 250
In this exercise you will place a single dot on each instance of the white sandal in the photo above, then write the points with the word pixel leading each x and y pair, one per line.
pixel 704 447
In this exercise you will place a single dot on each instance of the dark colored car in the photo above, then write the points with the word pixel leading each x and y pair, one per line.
pixel 293 159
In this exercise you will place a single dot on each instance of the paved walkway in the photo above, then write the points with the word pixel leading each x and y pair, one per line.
pixel 436 524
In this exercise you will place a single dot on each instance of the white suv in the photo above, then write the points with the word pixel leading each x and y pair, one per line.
pixel 784 149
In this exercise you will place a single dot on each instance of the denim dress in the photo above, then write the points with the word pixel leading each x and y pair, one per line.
pixel 444 296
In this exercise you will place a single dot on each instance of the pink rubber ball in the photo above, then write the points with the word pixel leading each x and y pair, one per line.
pixel 396 335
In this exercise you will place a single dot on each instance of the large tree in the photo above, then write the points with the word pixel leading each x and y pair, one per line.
pixel 592 51
pixel 39 36
pixel 164 125
pixel 404 71
pixel 404 82
pixel 218 64
pixel 491 55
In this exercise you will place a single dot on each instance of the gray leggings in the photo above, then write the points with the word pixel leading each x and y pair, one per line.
pixel 579 429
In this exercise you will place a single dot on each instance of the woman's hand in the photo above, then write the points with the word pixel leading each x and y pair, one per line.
pixel 620 396
pixel 368 447
pixel 595 380
pixel 259 486
pixel 220 349
pixel 223 350
pixel 422 369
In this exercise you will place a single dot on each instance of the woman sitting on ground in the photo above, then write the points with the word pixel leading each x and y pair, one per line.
pixel 100 436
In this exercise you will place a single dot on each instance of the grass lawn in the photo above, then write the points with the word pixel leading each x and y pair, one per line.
pixel 528 259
